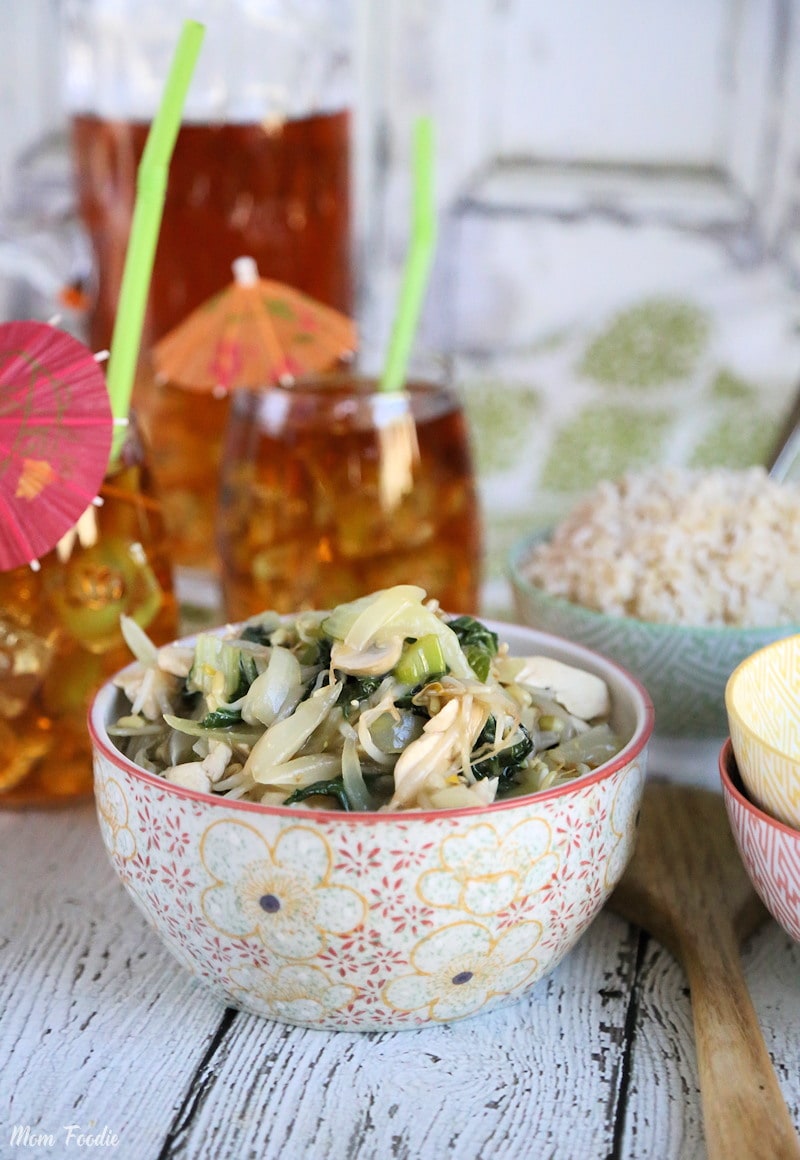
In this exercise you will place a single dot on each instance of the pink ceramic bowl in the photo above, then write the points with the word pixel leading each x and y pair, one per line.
pixel 359 921
pixel 769 849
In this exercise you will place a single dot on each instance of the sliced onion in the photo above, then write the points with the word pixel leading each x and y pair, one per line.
pixel 354 785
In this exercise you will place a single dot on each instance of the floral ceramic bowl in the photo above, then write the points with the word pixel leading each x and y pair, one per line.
pixel 684 669
pixel 769 850
pixel 359 921
pixel 763 703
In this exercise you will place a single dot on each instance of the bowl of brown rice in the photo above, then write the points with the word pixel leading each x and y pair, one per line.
pixel 676 574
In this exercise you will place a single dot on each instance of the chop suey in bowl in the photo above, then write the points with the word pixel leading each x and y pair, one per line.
pixel 387 816
pixel 382 704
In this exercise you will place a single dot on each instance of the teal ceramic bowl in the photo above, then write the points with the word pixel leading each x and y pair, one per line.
pixel 685 670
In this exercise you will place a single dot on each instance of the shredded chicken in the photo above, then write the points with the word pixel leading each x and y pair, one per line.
pixel 443 748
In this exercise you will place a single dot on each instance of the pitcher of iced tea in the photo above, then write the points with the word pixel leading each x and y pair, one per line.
pixel 262 166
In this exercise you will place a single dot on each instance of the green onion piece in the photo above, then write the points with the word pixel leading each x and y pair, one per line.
pixel 215 657
pixel 421 661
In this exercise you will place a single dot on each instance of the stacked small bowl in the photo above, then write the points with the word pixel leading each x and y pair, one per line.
pixel 760 771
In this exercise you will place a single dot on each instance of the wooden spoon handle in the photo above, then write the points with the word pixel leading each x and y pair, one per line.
pixel 744 1112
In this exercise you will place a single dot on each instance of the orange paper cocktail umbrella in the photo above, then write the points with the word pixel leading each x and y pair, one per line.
pixel 253 333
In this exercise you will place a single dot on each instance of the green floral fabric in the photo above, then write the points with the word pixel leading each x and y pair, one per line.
pixel 656 382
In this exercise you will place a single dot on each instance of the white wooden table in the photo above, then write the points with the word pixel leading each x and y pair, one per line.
pixel 103 1037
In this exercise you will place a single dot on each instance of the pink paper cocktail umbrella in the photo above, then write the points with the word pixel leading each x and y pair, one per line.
pixel 55 437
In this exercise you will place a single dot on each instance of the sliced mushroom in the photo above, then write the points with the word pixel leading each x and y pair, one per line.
pixel 373 661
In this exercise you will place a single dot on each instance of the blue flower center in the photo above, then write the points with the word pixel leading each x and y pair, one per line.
pixel 461 977
pixel 269 903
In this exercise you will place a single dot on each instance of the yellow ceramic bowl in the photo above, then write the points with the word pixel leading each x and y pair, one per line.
pixel 762 699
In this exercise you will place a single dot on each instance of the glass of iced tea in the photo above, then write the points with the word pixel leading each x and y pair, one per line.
pixel 330 489
pixel 60 633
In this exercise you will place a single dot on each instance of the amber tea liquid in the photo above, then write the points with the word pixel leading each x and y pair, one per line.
pixel 280 193
pixel 304 520
pixel 184 431
pixel 60 639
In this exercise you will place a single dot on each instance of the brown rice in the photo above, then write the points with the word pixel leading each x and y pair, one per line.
pixel 677 546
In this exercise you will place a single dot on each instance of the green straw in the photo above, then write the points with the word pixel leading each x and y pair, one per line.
pixel 151 186
pixel 418 262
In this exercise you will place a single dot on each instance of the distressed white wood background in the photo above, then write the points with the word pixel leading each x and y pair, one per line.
pixel 100 1029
